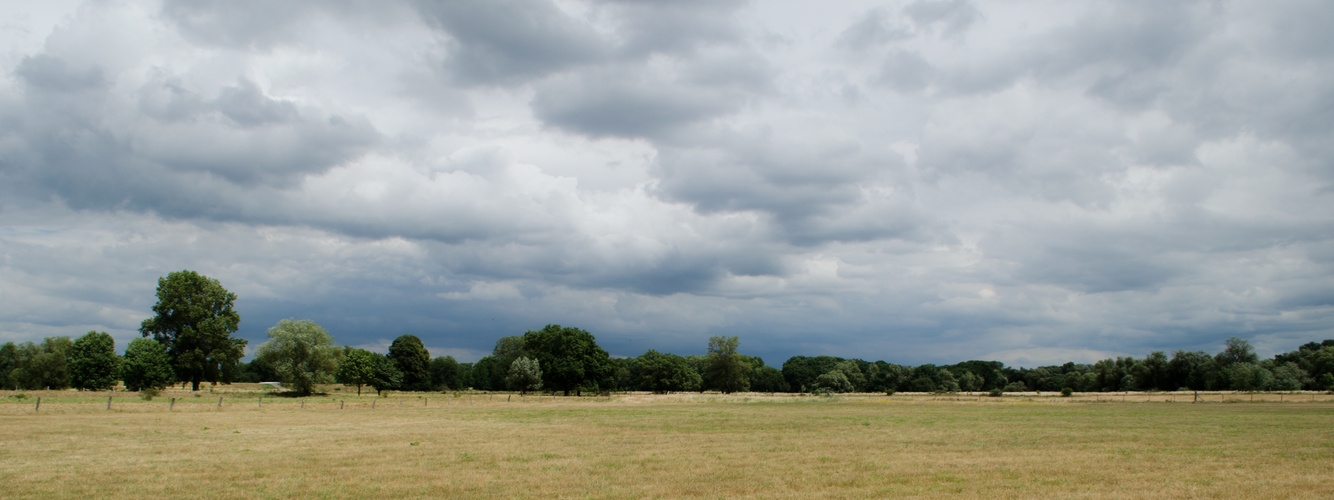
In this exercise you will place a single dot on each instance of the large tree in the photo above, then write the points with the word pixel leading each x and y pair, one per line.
pixel 413 361
pixel 194 320
pixel 664 373
pixel 301 353
pixel 357 368
pixel 728 371
pixel 93 364
pixel 570 358
pixel 445 373
pixel 525 375
pixel 146 365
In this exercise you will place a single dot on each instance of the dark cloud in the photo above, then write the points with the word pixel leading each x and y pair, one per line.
pixel 624 104
pixel 44 73
pixel 509 41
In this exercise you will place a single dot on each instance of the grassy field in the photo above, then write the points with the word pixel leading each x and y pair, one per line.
pixel 634 446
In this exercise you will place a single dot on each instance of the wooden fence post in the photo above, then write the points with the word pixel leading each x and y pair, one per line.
pixel 172 405
pixel 340 405
pixel 372 404
pixel 219 402
pixel 303 404
pixel 108 402
pixel 39 404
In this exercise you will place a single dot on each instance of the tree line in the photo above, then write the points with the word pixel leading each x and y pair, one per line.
pixel 189 340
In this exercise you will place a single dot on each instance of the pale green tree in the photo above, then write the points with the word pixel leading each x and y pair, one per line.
pixel 301 353
pixel 525 375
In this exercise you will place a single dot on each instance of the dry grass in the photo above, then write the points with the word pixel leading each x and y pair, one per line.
pixel 663 446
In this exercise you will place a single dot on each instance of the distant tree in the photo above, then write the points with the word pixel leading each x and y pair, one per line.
pixel 42 366
pixel 1193 370
pixel 413 361
pixel 9 361
pixel 1238 350
pixel 853 372
pixel 664 373
pixel 194 320
pixel 571 358
pixel 969 382
pixel 357 367
pixel 386 375
pixel 445 373
pixel 93 362
pixel 525 375
pixel 727 370
pixel 945 381
pixel 146 365
pixel 767 379
pixel 301 353
pixel 832 381
pixel 483 374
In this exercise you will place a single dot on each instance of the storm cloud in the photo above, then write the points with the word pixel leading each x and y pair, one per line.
pixel 914 181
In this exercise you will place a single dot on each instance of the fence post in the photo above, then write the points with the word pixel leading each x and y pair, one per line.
pixel 108 402
pixel 469 400
pixel 303 404
pixel 39 404
pixel 426 402
pixel 172 406
pixel 372 404
pixel 340 405
pixel 507 398
pixel 220 403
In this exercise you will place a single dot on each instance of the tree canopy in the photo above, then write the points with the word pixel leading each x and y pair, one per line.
pixel 571 359
pixel 412 361
pixel 301 353
pixel 146 364
pixel 93 364
pixel 194 320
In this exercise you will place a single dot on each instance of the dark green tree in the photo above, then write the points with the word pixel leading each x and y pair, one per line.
pixel 386 375
pixel 146 365
pixel 800 372
pixel 727 370
pixel 357 367
pixel 194 320
pixel 93 362
pixel 1237 350
pixel 9 361
pixel 445 374
pixel 571 359
pixel 664 373
pixel 413 361
pixel 301 353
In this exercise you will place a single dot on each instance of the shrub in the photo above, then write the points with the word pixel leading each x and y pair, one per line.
pixel 996 393
pixel 889 392
pixel 1067 392
pixel 148 393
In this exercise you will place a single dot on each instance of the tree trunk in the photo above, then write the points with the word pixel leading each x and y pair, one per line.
pixel 194 384
pixel 358 389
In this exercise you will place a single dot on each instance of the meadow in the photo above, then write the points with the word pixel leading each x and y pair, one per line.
pixel 681 445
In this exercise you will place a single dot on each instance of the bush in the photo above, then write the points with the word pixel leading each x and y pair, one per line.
pixel 1067 392
pixel 148 393
pixel 889 392
pixel 996 393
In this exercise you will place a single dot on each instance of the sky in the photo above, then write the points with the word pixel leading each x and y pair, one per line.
pixel 924 181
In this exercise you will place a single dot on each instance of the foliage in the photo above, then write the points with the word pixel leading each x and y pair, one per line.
pixel 801 371
pixel 146 365
pixel 571 359
pixel 301 353
pixel 664 373
pixel 1015 387
pixel 93 363
pixel 357 367
pixel 194 320
pixel 412 361
pixel 39 366
pixel 727 371
pixel 525 375
pixel 767 379
pixel 833 381
pixel 996 393
pixel 445 374
pixel 385 374
pixel 1067 392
